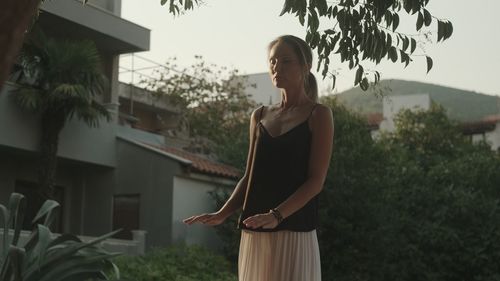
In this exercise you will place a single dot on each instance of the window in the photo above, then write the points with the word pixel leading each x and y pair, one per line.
pixel 30 191
pixel 126 214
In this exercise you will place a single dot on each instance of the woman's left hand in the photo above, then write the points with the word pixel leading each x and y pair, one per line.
pixel 266 221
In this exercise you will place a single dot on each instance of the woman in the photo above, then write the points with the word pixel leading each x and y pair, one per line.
pixel 288 159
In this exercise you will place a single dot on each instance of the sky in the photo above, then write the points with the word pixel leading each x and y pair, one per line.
pixel 235 33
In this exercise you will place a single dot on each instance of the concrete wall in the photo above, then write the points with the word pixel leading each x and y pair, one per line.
pixel 83 204
pixel 107 27
pixel 149 174
pixel 264 91
pixel 492 137
pixel 191 197
pixel 113 6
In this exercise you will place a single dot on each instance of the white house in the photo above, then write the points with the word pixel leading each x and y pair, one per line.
pixel 487 129
pixel 261 89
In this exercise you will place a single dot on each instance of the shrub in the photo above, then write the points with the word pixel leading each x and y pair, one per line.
pixel 176 263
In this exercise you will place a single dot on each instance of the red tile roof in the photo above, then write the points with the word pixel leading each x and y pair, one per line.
pixel 486 124
pixel 492 118
pixel 202 164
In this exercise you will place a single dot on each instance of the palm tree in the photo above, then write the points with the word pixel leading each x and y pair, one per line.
pixel 60 80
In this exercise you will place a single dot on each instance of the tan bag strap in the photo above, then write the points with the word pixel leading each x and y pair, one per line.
pixel 252 160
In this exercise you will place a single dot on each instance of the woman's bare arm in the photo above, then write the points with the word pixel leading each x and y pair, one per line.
pixel 236 199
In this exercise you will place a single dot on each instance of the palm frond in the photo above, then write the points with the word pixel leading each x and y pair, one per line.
pixel 65 75
pixel 93 114
pixel 29 98
pixel 72 93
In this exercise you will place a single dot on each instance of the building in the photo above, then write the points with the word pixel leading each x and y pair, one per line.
pixel 120 174
pixel 261 89
pixel 486 129
pixel 393 105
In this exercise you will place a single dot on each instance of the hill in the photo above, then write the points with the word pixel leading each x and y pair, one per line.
pixel 461 105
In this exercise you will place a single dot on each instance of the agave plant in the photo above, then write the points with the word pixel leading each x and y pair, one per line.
pixel 45 256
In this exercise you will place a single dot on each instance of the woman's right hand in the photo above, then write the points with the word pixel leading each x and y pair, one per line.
pixel 208 219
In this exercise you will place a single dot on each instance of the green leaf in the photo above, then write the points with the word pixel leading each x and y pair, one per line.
pixel 413 45
pixel 287 6
pixel 351 63
pixel 388 18
pixel 407 5
pixel 429 63
pixel 44 239
pixel 393 54
pixel 359 75
pixel 313 21
pixel 441 30
pixel 448 30
pixel 415 6
pixel 395 22
pixel 335 40
pixel 4 215
pixel 322 6
pixel 389 41
pixel 12 264
pixel 17 208
pixel 334 11
pixel 46 210
pixel 405 58
pixel 377 76
pixel 302 19
pixel 420 21
pixel 406 43
pixel 364 84
pixel 427 18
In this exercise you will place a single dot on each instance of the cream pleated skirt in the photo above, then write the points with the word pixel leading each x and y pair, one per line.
pixel 279 256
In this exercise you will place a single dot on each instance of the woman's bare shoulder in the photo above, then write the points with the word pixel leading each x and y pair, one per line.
pixel 257 112
pixel 322 112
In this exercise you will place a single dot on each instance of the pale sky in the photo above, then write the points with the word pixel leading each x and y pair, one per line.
pixel 235 33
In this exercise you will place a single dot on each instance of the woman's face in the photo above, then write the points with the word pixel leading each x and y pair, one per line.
pixel 284 67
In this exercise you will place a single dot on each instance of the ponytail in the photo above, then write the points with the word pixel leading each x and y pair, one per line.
pixel 311 87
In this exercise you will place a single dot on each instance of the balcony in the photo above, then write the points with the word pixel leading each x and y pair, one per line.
pixel 111 33
pixel 77 141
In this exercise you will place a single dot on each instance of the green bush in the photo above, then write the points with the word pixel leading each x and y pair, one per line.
pixel 422 203
pixel 176 263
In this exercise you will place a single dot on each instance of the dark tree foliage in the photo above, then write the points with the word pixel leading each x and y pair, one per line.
pixel 422 203
pixel 214 106
pixel 357 31
pixel 364 30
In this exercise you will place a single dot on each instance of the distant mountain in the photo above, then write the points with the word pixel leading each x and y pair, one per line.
pixel 461 105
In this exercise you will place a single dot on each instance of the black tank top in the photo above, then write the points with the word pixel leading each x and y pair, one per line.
pixel 280 167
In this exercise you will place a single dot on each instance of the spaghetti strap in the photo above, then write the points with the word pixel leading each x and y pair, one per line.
pixel 260 113
pixel 312 110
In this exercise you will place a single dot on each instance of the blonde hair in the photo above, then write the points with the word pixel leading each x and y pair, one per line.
pixel 304 53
